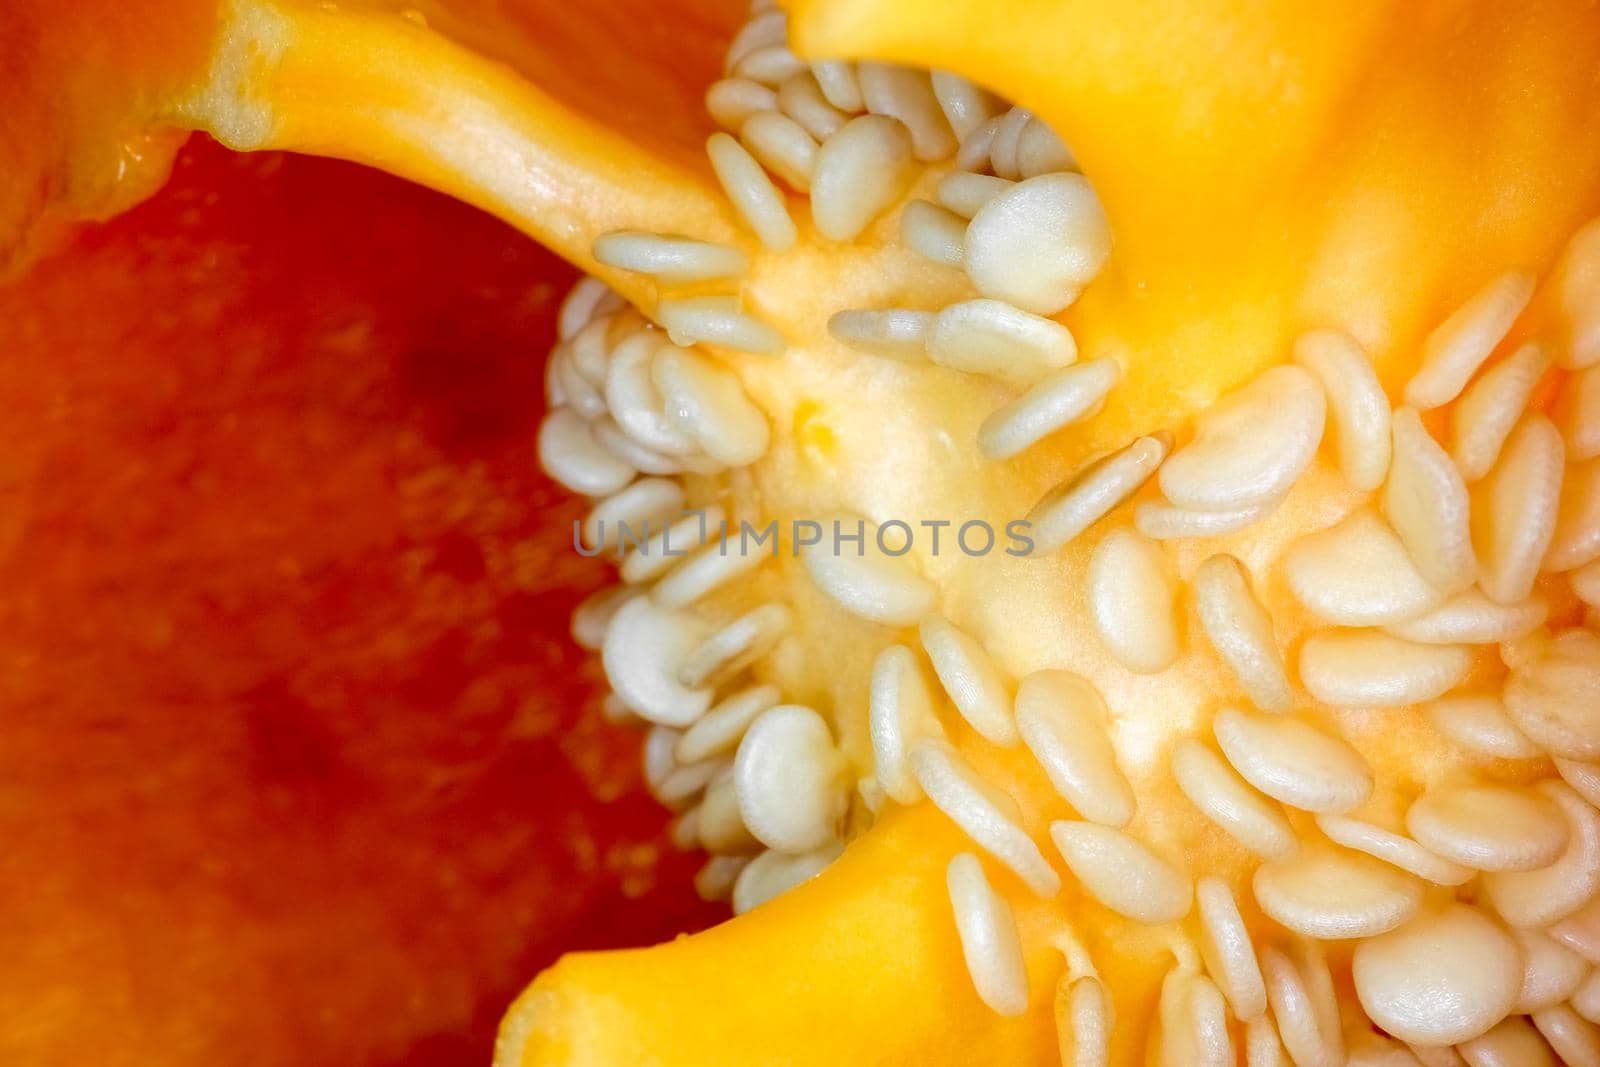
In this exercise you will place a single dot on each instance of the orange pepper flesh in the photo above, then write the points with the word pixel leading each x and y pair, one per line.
pixel 78 83
pixel 300 759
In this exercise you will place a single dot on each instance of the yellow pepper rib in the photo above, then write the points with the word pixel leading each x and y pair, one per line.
pixel 1284 166
pixel 860 965
pixel 79 85
pixel 348 83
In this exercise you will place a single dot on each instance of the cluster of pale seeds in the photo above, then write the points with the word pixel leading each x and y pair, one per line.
pixel 1443 560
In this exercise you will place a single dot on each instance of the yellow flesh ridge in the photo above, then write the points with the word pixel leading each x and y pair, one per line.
pixel 885 440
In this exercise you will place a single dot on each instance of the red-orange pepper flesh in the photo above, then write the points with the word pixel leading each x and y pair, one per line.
pixel 300 768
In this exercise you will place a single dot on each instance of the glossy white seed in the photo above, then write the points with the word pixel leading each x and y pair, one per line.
pixel 897 333
pixel 774 873
pixel 1194 1023
pixel 1586 998
pixel 589 299
pixel 906 94
pixel 752 193
pixel 569 453
pixel 991 337
pixel 1123 873
pixel 1551 893
pixel 1038 243
pixel 1229 953
pixel 966 194
pixel 1293 761
pixel 1132 596
pixel 1241 631
pixel 1084 1017
pixel 802 99
pixel 1395 849
pixel 772 65
pixel 1357 573
pixel 965 105
pixel 985 814
pixel 645 647
pixel 1426 501
pixel 1516 510
pixel 1512 1042
pixel 1554 697
pixel 1478 723
pixel 1262 1048
pixel 871 585
pixel 859 173
pixel 1584 777
pixel 1471 618
pixel 1482 419
pixel 706 571
pixel 1063 721
pixel 1578 294
pixel 1446 976
pixel 1551 972
pixel 837 80
pixel 1224 798
pixel 781 145
pixel 973 155
pixel 718 321
pixel 709 403
pixel 765 29
pixel 1093 492
pixel 661 550
pixel 989 938
pixel 1007 134
pixel 899 713
pixel 1586 583
pixel 1580 931
pixel 591 346
pixel 1329 893
pixel 715 880
pixel 668 257
pixel 1056 401
pixel 592 617
pixel 647 460
pixel 1368 668
pixel 645 503
pixel 721 827
pixel 634 401
pixel 1489 827
pixel 1304 1004
pixel 788 778
pixel 719 730
pixel 1456 348
pixel 934 232
pixel 1041 151
pixel 1577 413
pixel 1251 445
pixel 1576 540
pixel 736 645
pixel 1574 1039
pixel 1358 409
pixel 672 783
pixel 979 688
pixel 1159 519
pixel 565 386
